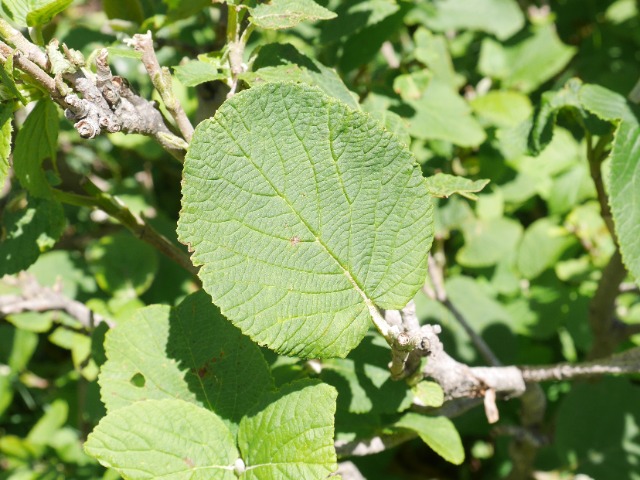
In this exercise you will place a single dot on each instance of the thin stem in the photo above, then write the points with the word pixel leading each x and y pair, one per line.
pixel 437 280
pixel 162 81
pixel 138 226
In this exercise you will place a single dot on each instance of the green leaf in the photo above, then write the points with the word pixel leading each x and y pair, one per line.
pixel 18 346
pixel 353 17
pixel 6 114
pixel 29 226
pixel 164 438
pixel 543 242
pixel 196 72
pixel 428 394
pixel 279 14
pixel 528 64
pixel 441 114
pixel 30 13
pixel 291 434
pixel 503 108
pixel 321 215
pixel 364 45
pixel 437 432
pixel 190 352
pixel 16 349
pixel 363 379
pixel 124 9
pixel 42 15
pixel 36 141
pixel 278 62
pixel 411 86
pixel 432 50
pixel 625 194
pixel 501 18
pixel 488 241
pixel 66 270
pixel 7 81
pixel 444 185
pixel 606 104
pixel 53 419
pixel 122 264
pixel 550 104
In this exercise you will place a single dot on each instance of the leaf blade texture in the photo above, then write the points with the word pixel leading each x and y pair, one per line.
pixel 164 439
pixel 624 194
pixel 281 14
pixel 304 215
pixel 189 352
pixel 36 141
pixel 291 434
pixel 445 185
pixel 437 432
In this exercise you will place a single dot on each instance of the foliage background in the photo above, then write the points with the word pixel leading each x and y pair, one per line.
pixel 457 80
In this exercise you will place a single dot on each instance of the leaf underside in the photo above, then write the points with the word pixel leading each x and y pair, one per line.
pixel 304 215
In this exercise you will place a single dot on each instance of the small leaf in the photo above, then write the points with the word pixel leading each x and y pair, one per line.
pixel 54 417
pixel 164 439
pixel 432 50
pixel 122 264
pixel 428 394
pixel 437 432
pixel 28 227
pixel 503 108
pixel 501 18
pixel 291 434
pixel 543 242
pixel 7 81
pixel 550 104
pixel 528 64
pixel 488 241
pixel 625 194
pixel 321 215
pixel 196 72
pixel 279 14
pixel 36 141
pixel 442 114
pixel 606 104
pixel 353 17
pixel 41 15
pixel 444 185
pixel 130 10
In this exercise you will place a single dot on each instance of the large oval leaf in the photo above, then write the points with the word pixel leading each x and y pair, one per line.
pixel 304 215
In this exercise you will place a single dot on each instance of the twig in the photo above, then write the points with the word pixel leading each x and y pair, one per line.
pixel 110 106
pixel 161 79
pixel 625 362
pixel 439 293
pixel 36 298
pixel 15 38
pixel 26 65
pixel 376 444
pixel 138 226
